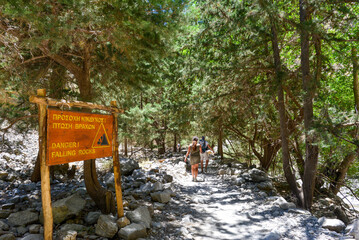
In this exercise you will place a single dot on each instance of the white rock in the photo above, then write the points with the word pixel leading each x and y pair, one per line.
pixel 332 224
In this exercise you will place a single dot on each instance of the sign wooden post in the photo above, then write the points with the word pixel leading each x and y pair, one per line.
pixel 66 136
pixel 45 170
pixel 116 164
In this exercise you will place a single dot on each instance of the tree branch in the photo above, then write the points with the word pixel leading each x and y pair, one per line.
pixel 16 120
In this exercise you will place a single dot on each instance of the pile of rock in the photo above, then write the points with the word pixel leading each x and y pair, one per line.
pixel 74 212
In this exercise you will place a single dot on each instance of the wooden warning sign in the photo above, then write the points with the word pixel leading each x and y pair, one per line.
pixel 75 136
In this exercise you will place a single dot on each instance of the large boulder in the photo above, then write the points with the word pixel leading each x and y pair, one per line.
pixel 133 231
pixel 332 224
pixel 162 197
pixel 127 166
pixel 66 208
pixel 23 218
pixel 256 175
pixel 106 226
pixel 141 215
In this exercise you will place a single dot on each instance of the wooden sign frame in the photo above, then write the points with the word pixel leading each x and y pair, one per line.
pixel 43 104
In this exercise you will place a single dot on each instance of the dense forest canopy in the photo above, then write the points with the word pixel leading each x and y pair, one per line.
pixel 272 83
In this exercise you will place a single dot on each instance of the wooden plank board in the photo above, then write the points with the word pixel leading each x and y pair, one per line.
pixel 75 136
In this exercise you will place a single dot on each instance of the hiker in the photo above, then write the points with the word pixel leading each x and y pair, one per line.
pixel 204 152
pixel 178 147
pixel 194 149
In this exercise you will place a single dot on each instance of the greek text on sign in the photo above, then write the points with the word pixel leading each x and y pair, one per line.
pixel 76 136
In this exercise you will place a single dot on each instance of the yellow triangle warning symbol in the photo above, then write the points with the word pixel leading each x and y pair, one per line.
pixel 101 139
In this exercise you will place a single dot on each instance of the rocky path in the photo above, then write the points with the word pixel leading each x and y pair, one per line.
pixel 161 202
pixel 218 208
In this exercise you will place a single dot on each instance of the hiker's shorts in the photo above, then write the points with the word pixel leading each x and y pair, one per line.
pixel 204 156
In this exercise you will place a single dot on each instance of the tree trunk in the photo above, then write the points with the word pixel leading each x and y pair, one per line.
pixel 341 173
pixel 270 151
pixel 104 199
pixel 36 174
pixel 160 142
pixel 283 119
pixel 57 84
pixel 220 140
pixel 126 146
pixel 355 78
pixel 174 142
pixel 299 157
pixel 312 150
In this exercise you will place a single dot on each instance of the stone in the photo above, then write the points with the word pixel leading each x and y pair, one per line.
pixel 258 175
pixel 282 203
pixel 67 235
pixel 341 215
pixel 123 222
pixel 139 175
pixel 23 218
pixel 272 236
pixel 168 178
pixel 33 237
pixel 291 205
pixel 159 206
pixel 265 186
pixel 150 208
pixel 221 171
pixel 146 188
pixel 21 230
pixel 133 231
pixel 4 213
pixel 162 197
pixel 73 227
pixel 128 166
pixel 3 175
pixel 8 206
pixel 110 181
pixel 8 236
pixel 157 186
pixel 141 215
pixel 4 226
pixel 92 217
pixel 34 228
pixel 106 226
pixel 170 192
pixel 239 181
pixel 332 224
pixel 66 208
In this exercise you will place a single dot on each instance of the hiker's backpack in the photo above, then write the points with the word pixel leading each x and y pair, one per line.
pixel 204 146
